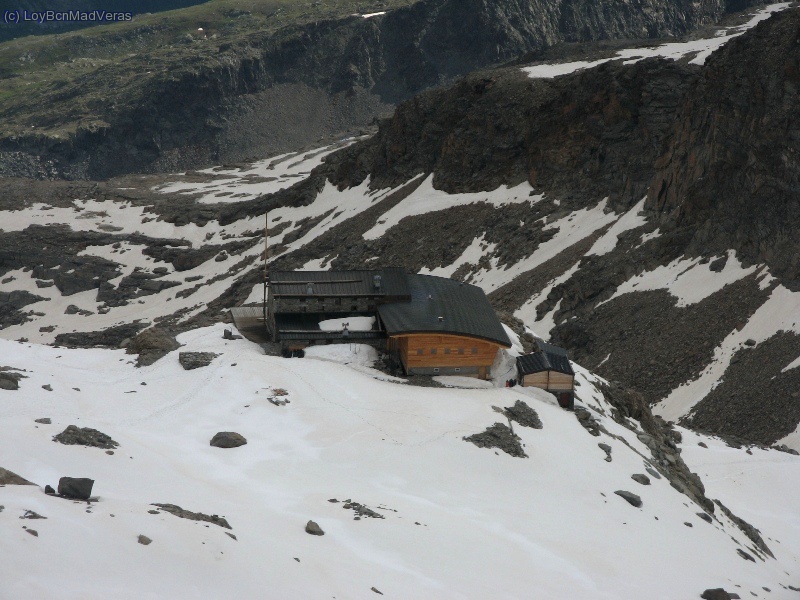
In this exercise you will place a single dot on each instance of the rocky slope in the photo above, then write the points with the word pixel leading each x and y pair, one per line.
pixel 198 98
pixel 544 191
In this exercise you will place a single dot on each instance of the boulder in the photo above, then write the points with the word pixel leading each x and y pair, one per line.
pixel 9 381
pixel 151 345
pixel 641 478
pixel 195 360
pixel 228 439
pixel 43 421
pixel 79 488
pixel 144 540
pixel 85 436
pixel 631 498
pixel 314 529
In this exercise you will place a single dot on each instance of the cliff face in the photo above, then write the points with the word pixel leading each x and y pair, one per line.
pixel 731 170
pixel 592 134
pixel 230 101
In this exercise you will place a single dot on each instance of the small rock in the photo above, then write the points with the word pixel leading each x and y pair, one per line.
pixel 48 489
pixel 715 594
pixel 43 421
pixel 332 500
pixel 706 517
pixel 376 590
pixel 153 512
pixel 144 540
pixel 702 444
pixel 640 478
pixel 109 452
pixel 228 439
pixel 750 343
pixel 229 534
pixel 655 474
pixel 688 524
pixel 631 498
pixel 79 488
pixel 745 555
pixel 195 360
pixel 29 514
pixel 314 529
pixel 47 387
pixel 229 335
pixel 297 559
pixel 33 532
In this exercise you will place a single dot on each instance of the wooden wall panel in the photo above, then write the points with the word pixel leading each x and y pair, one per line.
pixel 447 351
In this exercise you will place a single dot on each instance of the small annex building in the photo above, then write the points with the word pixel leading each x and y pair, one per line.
pixel 548 368
pixel 428 325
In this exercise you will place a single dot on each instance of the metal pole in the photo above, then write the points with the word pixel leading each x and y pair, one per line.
pixel 266 256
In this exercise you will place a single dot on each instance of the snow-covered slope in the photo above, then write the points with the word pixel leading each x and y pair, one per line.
pixel 459 521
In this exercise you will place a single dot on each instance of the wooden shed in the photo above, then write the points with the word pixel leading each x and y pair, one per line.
pixel 548 368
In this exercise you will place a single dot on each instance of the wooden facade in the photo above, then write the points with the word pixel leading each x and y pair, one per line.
pixel 552 381
pixel 443 354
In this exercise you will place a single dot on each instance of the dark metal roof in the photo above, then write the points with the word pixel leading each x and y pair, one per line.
pixel 344 283
pixel 546 358
pixel 463 308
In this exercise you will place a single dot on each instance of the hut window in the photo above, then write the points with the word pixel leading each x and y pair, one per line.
pixel 354 307
pixel 420 351
pixel 435 369
pixel 433 350
pixel 461 351
pixel 458 369
pixel 474 350
pixel 338 302
pixel 447 350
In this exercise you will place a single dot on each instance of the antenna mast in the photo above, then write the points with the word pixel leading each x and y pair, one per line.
pixel 266 258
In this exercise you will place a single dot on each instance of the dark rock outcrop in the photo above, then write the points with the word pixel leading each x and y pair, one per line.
pixel 725 174
pixel 113 337
pixel 176 510
pixel 499 436
pixel 195 360
pixel 85 436
pixel 524 415
pixel 151 345
pixel 754 372
pixel 9 478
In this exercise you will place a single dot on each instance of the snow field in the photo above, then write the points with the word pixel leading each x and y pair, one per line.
pixel 490 525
